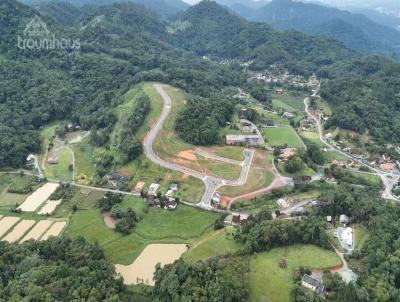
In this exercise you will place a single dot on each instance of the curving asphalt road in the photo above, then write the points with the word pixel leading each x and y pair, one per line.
pixel 212 183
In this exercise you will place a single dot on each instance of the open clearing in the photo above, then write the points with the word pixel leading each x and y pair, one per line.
pixel 269 282
pixel 61 170
pixel 184 225
pixel 54 230
pixel 49 207
pixel 19 230
pixel 38 230
pixel 283 136
pixel 37 198
pixel 6 223
pixel 214 244
pixel 143 268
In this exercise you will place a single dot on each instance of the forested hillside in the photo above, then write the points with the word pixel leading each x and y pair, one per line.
pixel 124 44
pixel 354 30
pixel 166 8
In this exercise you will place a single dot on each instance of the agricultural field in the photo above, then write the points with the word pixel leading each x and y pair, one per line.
pixel 213 244
pixel 185 225
pixel 283 136
pixel 269 282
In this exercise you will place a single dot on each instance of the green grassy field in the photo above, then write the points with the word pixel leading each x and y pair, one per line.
pixel 60 171
pixel 214 244
pixel 361 235
pixel 268 282
pixel 370 179
pixel 312 137
pixel 306 171
pixel 289 102
pixel 185 225
pixel 282 136
pixel 85 165
pixel 231 152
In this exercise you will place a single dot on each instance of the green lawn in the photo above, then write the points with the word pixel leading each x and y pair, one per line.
pixel 214 244
pixel 60 171
pixel 361 235
pixel 370 179
pixel 312 137
pixel 185 225
pixel 283 136
pixel 306 171
pixel 289 102
pixel 230 152
pixel 268 282
pixel 85 166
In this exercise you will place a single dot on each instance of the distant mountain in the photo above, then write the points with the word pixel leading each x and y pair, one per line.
pixel 354 30
pixel 166 8
pixel 380 17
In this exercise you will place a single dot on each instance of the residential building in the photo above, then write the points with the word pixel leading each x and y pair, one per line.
pixel 173 187
pixel 216 198
pixel 312 284
pixel 267 123
pixel 345 236
pixel 344 219
pixel 153 189
pixel 302 179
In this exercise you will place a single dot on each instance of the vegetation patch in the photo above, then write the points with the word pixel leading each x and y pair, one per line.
pixel 283 136
pixel 269 282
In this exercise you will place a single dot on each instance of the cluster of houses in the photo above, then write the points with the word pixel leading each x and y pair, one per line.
pixel 384 163
pixel 308 124
pixel 281 76
pixel 286 154
pixel 236 219
pixel 167 201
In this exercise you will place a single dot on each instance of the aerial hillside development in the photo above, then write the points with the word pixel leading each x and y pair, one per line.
pixel 193 157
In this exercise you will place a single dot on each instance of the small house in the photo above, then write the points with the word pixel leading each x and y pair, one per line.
pixel 30 158
pixel 329 219
pixel 238 219
pixel 313 284
pixel 173 187
pixel 243 114
pixel 52 161
pixel 344 219
pixel 171 204
pixel 288 115
pixel 216 198
pixel 267 123
pixel 232 139
pixel 153 189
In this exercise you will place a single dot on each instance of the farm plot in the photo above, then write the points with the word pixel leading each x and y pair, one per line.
pixel 19 230
pixel 7 223
pixel 143 268
pixel 38 230
pixel 49 207
pixel 37 198
pixel 54 230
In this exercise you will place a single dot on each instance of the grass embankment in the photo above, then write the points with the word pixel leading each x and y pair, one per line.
pixel 269 282
pixel 213 244
pixel 283 136
pixel 185 225
pixel 84 161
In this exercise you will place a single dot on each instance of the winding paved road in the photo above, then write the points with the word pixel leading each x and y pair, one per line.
pixel 212 183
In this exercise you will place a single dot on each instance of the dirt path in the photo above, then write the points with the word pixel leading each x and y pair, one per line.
pixel 208 237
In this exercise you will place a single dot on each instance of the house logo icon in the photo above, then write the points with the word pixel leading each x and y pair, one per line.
pixel 36 28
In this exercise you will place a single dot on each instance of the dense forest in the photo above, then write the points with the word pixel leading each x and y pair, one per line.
pixel 57 270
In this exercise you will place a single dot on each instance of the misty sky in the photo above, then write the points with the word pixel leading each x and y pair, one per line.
pixel 343 3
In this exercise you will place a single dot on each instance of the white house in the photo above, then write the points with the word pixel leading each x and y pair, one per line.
pixel 312 284
pixel 153 189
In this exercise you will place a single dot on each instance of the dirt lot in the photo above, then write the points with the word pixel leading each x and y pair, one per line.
pixel 37 198
pixel 6 223
pixel 142 270
pixel 38 230
pixel 19 230
pixel 54 230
